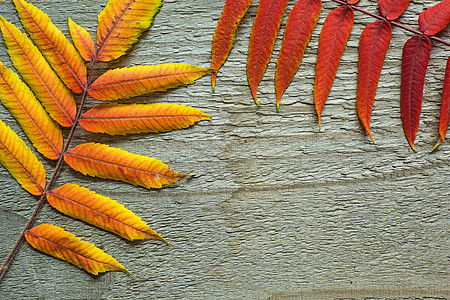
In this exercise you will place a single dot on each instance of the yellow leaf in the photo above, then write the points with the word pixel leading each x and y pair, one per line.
pixel 21 163
pixel 103 212
pixel 82 41
pixel 62 244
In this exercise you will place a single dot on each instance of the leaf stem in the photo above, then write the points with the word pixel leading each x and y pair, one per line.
pixel 58 166
pixel 392 22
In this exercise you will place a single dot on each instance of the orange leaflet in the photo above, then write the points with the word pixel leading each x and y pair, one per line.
pixel 415 57
pixel 58 51
pixel 38 74
pixel 392 9
pixel 62 244
pixel 120 24
pixel 82 41
pixel 262 39
pixel 435 18
pixel 81 203
pixel 102 161
pixel 333 38
pixel 373 47
pixel 299 28
pixel 232 14
pixel 445 107
pixel 352 2
pixel 21 163
pixel 129 82
pixel 137 118
pixel 42 131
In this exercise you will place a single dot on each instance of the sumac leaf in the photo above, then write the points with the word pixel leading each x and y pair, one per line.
pixel 299 27
pixel 392 9
pixel 333 38
pixel 38 74
pixel 42 131
pixel 102 161
pixel 373 46
pixel 21 163
pixel 81 203
pixel 129 82
pixel 352 2
pixel 55 47
pixel 262 40
pixel 138 118
pixel 223 39
pixel 445 107
pixel 435 18
pixel 82 41
pixel 120 24
pixel 62 244
pixel 415 57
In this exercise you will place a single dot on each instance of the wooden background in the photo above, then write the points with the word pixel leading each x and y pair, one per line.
pixel 277 210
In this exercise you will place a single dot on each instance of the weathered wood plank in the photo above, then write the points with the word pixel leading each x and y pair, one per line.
pixel 277 210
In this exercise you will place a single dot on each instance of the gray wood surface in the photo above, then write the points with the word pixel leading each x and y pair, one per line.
pixel 277 210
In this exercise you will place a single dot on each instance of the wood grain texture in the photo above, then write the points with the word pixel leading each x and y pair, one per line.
pixel 277 210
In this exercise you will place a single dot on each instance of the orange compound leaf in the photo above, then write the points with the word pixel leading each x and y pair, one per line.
pixel 55 47
pixel 129 82
pixel 117 119
pixel 82 41
pixel 102 161
pixel 392 9
pixel 42 131
pixel 21 163
pixel 262 40
pixel 373 46
pixel 445 107
pixel 64 245
pixel 83 204
pixel 435 18
pixel 38 74
pixel 415 57
pixel 299 28
pixel 121 23
pixel 333 38
pixel 232 14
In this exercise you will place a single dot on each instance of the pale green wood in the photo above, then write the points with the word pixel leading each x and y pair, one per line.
pixel 277 210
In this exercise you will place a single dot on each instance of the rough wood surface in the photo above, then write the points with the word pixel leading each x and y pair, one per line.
pixel 277 210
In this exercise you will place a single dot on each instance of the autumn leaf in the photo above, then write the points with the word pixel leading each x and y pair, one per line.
pixel 415 57
pixel 55 47
pixel 81 203
pixel 42 131
pixel 121 23
pixel 262 40
pixel 223 39
pixel 137 118
pixel 392 9
pixel 21 163
pixel 444 119
pixel 435 18
pixel 333 38
pixel 38 74
pixel 373 46
pixel 102 161
pixel 300 25
pixel 62 244
pixel 82 41
pixel 134 81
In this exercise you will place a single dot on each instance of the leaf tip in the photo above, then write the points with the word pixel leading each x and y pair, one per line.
pixel 440 141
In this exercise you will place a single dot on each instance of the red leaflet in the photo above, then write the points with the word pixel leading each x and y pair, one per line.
pixel 262 39
pixel 333 38
pixel 415 56
pixel 233 12
pixel 373 46
pixel 392 9
pixel 436 18
pixel 352 2
pixel 445 107
pixel 299 27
